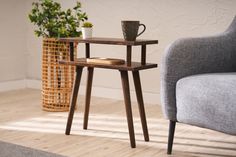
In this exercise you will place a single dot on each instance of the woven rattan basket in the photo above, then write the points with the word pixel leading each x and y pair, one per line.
pixel 57 79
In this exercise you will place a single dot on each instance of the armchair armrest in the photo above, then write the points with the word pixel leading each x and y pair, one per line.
pixel 192 56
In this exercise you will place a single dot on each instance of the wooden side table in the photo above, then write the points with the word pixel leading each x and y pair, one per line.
pixel 135 67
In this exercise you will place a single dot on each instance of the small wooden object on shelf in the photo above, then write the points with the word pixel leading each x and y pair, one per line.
pixel 109 61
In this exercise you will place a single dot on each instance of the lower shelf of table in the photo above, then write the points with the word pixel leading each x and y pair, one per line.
pixel 133 67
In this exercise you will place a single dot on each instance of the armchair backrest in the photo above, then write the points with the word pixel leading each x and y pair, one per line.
pixel 232 27
pixel 192 56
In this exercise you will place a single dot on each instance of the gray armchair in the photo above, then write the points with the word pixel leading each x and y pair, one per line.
pixel 198 83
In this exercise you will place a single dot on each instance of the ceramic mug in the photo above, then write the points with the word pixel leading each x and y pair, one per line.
pixel 130 29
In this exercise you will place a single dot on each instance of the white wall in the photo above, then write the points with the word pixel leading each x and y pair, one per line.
pixel 166 20
pixel 13 33
pixel 34 48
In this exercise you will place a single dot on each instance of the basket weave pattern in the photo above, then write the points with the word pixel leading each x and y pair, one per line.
pixel 57 79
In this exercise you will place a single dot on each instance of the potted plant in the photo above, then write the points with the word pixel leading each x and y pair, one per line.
pixel 51 23
pixel 87 30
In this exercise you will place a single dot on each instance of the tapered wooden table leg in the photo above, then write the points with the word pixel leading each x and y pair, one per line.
pixel 171 136
pixel 126 92
pixel 88 96
pixel 139 95
pixel 73 98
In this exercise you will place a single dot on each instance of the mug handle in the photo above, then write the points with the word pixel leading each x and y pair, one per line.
pixel 144 28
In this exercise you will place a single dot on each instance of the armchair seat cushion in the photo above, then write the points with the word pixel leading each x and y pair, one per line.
pixel 208 100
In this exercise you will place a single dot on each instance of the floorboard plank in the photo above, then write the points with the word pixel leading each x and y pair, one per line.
pixel 23 122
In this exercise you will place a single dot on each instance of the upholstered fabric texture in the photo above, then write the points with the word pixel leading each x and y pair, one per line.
pixel 191 56
pixel 208 100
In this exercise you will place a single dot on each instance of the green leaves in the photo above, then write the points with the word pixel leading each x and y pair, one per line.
pixel 53 22
pixel 87 25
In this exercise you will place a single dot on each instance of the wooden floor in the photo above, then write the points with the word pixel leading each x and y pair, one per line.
pixel 23 122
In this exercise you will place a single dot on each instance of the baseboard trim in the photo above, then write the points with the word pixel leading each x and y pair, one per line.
pixel 104 92
pixel 34 84
pixel 12 85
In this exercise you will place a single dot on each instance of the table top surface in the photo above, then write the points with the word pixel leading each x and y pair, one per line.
pixel 111 41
